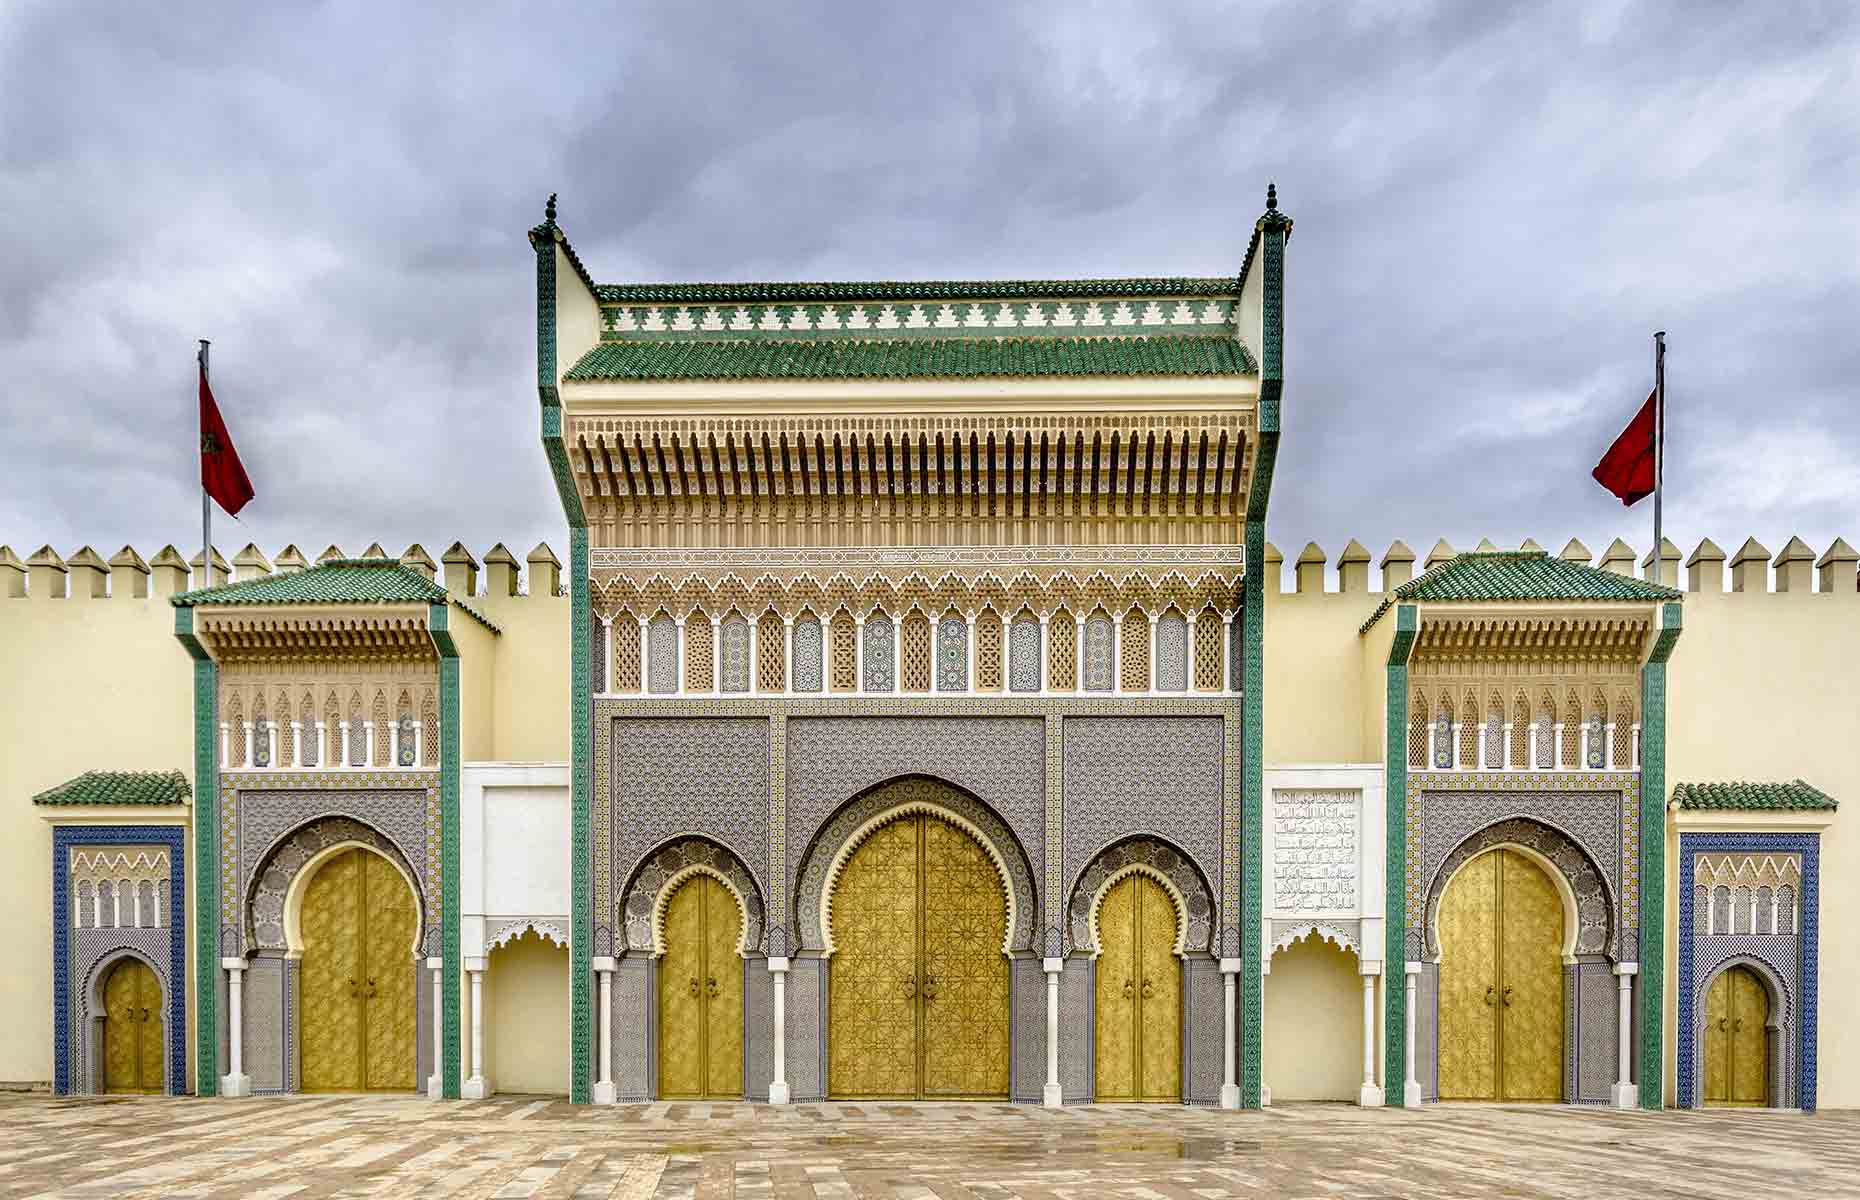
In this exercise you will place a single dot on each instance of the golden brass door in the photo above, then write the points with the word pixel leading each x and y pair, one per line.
pixel 1501 982
pixel 918 986
pixel 701 994
pixel 1139 993
pixel 358 988
pixel 132 1044
pixel 1737 1014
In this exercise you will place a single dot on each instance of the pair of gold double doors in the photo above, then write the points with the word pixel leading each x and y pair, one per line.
pixel 918 984
pixel 358 985
pixel 132 1028
pixel 1737 1058
pixel 1501 982
pixel 701 994
pixel 1139 995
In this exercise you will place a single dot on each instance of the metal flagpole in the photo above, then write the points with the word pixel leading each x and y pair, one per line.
pixel 1659 443
pixel 206 505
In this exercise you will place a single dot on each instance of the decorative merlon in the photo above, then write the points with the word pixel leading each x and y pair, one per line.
pixel 545 571
pixel 1793 564
pixel 90 575
pixel 250 563
pixel 1576 552
pixel 461 570
pixel 416 558
pixel 292 559
pixel 503 567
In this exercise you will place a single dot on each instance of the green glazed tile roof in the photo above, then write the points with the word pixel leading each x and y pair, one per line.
pixel 1520 575
pixel 915 289
pixel 880 358
pixel 1747 795
pixel 119 787
pixel 338 581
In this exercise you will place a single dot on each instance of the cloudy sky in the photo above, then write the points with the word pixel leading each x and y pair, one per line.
pixel 1496 206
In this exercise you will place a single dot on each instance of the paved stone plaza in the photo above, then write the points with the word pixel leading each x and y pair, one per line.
pixel 376 1146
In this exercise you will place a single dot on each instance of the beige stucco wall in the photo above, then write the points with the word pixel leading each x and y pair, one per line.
pixel 1314 1023
pixel 102 684
pixel 89 685
pixel 1763 685
pixel 526 1017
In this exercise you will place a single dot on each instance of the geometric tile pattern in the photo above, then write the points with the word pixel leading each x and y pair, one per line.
pixel 74 958
pixel 1791 963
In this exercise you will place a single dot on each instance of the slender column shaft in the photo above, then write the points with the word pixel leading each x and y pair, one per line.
pixel 1054 1093
pixel 1230 1085
pixel 778 1086
pixel 1626 1092
pixel 1369 1031
pixel 477 1024
pixel 604 1068
pixel 235 1022
pixel 434 1081
pixel 1411 1087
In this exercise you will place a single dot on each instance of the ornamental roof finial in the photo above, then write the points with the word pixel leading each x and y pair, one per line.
pixel 549 210
pixel 1272 197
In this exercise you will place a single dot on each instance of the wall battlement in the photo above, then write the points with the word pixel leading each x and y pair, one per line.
pixel 1795 569
pixel 129 576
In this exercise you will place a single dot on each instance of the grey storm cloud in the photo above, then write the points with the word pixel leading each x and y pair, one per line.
pixel 1496 205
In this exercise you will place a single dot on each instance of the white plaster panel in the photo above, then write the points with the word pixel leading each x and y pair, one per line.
pixel 514 834
pixel 1312 812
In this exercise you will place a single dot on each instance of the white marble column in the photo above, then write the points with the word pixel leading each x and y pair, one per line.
pixel 778 1086
pixel 1369 1095
pixel 237 1083
pixel 1265 972
pixel 1053 1095
pixel 1411 1087
pixel 1230 1085
pixel 226 763
pixel 297 743
pixel 476 1086
pixel 436 1082
pixel 604 966
pixel 251 747
pixel 1626 1095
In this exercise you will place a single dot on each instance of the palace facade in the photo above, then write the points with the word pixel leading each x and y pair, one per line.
pixel 921 713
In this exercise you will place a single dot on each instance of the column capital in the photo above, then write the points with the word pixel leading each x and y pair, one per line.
pixel 1369 967
pixel 1230 966
pixel 234 964
pixel 1413 968
pixel 475 962
pixel 434 964
pixel 778 964
pixel 1627 968
pixel 604 962
pixel 1053 966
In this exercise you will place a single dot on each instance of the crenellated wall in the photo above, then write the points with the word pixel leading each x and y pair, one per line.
pixel 1765 684
pixel 95 681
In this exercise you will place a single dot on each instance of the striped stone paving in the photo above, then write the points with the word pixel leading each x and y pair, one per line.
pixel 522 1147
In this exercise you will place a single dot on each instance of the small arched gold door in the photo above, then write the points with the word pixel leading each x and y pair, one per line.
pixel 1501 982
pixel 918 985
pixel 701 994
pixel 1139 995
pixel 1737 1059
pixel 357 1029
pixel 132 1050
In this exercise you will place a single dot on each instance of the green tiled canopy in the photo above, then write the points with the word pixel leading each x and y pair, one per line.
pixel 914 289
pixel 120 787
pixel 338 581
pixel 1521 575
pixel 893 358
pixel 1794 795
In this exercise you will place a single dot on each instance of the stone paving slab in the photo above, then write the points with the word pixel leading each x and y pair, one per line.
pixel 391 1146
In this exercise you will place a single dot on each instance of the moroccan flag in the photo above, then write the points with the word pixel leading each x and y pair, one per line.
pixel 1627 469
pixel 221 472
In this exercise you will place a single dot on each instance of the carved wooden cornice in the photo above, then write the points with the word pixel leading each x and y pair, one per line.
pixel 295 636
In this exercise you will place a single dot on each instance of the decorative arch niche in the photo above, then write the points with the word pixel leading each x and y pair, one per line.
pixel 642 901
pixel 1193 898
pixel 856 820
pixel 1589 909
pixel 279 881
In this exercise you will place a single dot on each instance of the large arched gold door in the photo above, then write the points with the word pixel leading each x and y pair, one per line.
pixel 132 1028
pixel 918 986
pixel 1139 995
pixel 1501 982
pixel 1737 1059
pixel 357 1029
pixel 701 994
